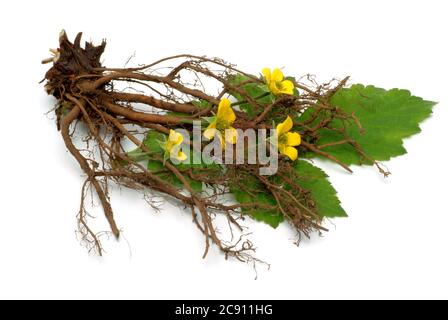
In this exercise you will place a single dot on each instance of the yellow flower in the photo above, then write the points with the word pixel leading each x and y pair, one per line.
pixel 288 140
pixel 222 124
pixel 275 82
pixel 172 146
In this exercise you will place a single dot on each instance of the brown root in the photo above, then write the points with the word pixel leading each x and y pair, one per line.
pixel 88 93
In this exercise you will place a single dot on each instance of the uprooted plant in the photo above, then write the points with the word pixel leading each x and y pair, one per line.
pixel 148 106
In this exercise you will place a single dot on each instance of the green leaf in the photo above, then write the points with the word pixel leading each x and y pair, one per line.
pixel 309 177
pixel 270 216
pixel 178 114
pixel 252 89
pixel 201 103
pixel 209 119
pixel 322 193
pixel 261 197
pixel 293 79
pixel 151 141
pixel 387 118
pixel 160 170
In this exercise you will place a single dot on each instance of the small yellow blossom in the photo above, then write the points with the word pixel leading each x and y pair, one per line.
pixel 288 140
pixel 172 146
pixel 275 82
pixel 222 124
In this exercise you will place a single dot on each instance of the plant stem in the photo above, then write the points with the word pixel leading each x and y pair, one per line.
pixel 261 96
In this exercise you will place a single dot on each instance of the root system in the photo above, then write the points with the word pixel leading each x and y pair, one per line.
pixel 121 105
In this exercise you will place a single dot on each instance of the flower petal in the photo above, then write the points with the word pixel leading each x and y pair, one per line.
pixel 291 153
pixel 293 139
pixel 212 125
pixel 181 156
pixel 171 135
pixel 221 140
pixel 285 126
pixel 277 75
pixel 231 135
pixel 287 87
pixel 273 88
pixel 267 74
pixel 209 133
pixel 225 111
pixel 282 148
pixel 175 138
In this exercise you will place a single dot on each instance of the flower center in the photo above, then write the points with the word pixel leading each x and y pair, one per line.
pixel 222 125
pixel 282 139
pixel 169 145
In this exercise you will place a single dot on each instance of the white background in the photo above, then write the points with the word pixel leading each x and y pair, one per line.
pixel 393 245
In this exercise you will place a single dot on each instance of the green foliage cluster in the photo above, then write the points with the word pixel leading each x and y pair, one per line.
pixel 384 118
